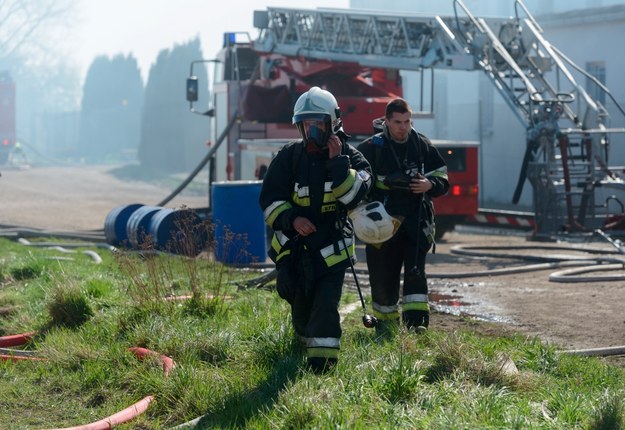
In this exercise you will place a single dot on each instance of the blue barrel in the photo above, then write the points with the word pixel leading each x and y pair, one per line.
pixel 138 227
pixel 239 225
pixel 115 224
pixel 180 231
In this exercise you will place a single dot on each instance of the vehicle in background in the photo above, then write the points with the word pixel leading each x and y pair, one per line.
pixel 252 104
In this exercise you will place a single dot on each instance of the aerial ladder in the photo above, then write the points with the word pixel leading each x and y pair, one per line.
pixel 568 132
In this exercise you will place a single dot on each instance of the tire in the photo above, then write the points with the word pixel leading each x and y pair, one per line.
pixel 439 233
pixel 443 225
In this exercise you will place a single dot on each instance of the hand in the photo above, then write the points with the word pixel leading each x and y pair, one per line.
pixel 303 226
pixel 334 146
pixel 420 184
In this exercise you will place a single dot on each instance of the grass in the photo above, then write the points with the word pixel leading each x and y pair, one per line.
pixel 238 364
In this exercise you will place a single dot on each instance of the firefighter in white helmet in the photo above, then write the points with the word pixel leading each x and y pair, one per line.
pixel 408 172
pixel 306 193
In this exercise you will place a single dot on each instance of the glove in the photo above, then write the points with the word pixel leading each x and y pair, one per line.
pixel 295 274
pixel 286 279
pixel 398 180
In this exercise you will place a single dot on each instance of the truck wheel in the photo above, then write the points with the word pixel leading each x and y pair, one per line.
pixel 442 227
pixel 438 235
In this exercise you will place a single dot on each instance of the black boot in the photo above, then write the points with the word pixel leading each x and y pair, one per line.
pixel 416 320
pixel 387 329
pixel 319 365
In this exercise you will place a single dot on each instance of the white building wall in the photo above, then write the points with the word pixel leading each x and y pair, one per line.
pixel 467 107
pixel 596 36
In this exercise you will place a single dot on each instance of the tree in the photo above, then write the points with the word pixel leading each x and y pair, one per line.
pixel 172 139
pixel 22 22
pixel 31 33
pixel 111 108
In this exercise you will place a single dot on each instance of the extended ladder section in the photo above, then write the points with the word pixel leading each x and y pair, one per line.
pixel 567 131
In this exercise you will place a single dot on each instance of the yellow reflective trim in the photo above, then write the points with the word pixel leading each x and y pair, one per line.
pixel 328 197
pixel 301 201
pixel 279 256
pixel 337 258
pixel 275 243
pixel 438 175
pixel 351 194
pixel 277 211
pixel 328 208
pixel 322 352
pixel 441 172
pixel 347 184
pixel 277 247
pixel 416 306
pixel 386 317
pixel 380 184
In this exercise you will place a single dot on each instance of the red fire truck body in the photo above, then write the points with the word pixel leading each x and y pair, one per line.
pixel 265 86
pixel 253 96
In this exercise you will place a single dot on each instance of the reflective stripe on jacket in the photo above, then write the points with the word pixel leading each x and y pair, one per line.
pixel 308 184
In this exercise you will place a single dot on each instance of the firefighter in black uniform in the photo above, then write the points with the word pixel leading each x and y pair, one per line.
pixel 306 193
pixel 408 172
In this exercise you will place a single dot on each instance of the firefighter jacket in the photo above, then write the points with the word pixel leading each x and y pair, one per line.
pixel 393 165
pixel 302 181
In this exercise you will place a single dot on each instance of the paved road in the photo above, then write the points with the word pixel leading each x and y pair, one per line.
pixel 74 198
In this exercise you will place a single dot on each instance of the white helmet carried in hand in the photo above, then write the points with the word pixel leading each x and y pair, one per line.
pixel 372 224
pixel 317 105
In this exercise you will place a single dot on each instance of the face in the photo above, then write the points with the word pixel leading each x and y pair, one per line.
pixel 399 125
pixel 315 132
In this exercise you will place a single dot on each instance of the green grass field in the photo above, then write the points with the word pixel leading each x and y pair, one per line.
pixel 238 365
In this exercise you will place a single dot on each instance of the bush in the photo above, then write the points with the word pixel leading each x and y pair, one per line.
pixel 69 308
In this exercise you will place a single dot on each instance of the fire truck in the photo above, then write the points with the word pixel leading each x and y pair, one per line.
pixel 7 116
pixel 357 56
pixel 253 97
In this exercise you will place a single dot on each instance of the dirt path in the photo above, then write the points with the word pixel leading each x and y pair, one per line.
pixel 76 198
pixel 574 315
pixel 571 315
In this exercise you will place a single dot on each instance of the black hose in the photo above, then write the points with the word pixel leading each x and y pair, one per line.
pixel 202 163
pixel 368 321
pixel 522 175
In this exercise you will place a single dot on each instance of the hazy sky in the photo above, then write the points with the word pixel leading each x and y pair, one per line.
pixel 144 27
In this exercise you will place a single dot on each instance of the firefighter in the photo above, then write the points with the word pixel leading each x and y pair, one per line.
pixel 307 190
pixel 408 172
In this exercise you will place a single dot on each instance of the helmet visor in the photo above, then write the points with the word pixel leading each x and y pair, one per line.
pixel 315 129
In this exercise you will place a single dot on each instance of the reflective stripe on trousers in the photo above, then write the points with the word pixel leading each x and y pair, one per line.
pixel 316 317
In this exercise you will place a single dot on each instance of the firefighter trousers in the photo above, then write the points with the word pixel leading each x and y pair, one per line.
pixel 316 316
pixel 385 264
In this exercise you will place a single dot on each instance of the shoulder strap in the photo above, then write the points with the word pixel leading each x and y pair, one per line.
pixel 378 142
pixel 417 144
pixel 295 156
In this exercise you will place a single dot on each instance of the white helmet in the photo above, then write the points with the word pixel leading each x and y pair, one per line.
pixel 372 224
pixel 317 105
